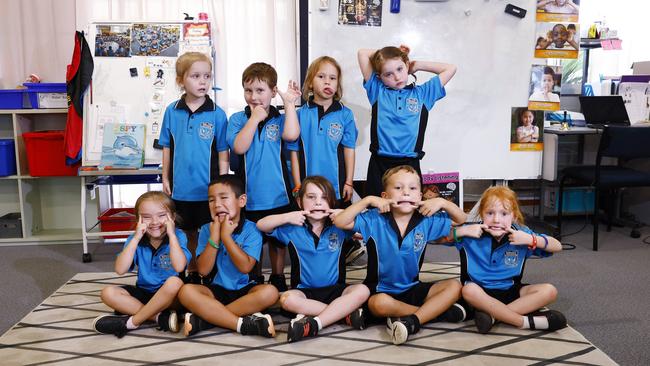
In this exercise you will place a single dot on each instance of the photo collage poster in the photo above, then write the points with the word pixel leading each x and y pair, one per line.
pixel 360 12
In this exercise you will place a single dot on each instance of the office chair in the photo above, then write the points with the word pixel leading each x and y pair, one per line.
pixel 624 143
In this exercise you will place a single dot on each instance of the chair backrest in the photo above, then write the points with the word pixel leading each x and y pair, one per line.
pixel 624 142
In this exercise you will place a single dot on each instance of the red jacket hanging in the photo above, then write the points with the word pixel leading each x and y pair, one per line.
pixel 77 78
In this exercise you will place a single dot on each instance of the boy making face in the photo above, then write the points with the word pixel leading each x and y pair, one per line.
pixel 396 234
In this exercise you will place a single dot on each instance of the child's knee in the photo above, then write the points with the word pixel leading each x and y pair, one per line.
pixel 471 291
pixel 288 300
pixel 379 304
pixel 550 291
pixel 268 294
pixel 109 293
pixel 186 292
pixel 173 284
pixel 453 286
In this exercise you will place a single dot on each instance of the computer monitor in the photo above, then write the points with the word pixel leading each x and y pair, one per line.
pixel 604 110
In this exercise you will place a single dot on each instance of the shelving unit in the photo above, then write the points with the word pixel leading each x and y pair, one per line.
pixel 48 206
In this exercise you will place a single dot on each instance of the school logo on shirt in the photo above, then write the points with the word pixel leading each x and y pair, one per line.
pixel 273 132
pixel 418 241
pixel 165 261
pixel 206 130
pixel 413 105
pixel 511 258
pixel 335 131
pixel 333 242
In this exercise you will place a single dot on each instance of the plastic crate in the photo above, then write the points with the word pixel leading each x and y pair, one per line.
pixel 10 226
pixel 7 157
pixel 117 219
pixel 47 95
pixel 45 156
pixel 11 98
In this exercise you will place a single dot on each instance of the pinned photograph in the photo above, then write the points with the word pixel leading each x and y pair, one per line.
pixel 557 40
pixel 155 40
pixel 360 12
pixel 113 41
pixel 545 86
pixel 527 129
pixel 558 10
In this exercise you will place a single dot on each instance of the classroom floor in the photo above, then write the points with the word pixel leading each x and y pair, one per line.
pixel 59 332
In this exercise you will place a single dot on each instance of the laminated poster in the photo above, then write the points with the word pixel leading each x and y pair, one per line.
pixel 526 129
pixel 545 86
pixel 445 185
pixel 123 146
pixel 557 40
pixel 360 12
pixel 558 10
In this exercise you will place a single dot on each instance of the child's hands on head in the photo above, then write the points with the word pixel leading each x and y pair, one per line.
pixel 292 94
pixel 404 48
pixel 518 237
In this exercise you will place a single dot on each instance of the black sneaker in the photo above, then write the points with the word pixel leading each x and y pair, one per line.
pixel 111 324
pixel 402 328
pixel 279 282
pixel 483 321
pixel 301 327
pixel 257 279
pixel 194 324
pixel 355 252
pixel 356 319
pixel 455 314
pixel 258 324
pixel 193 278
pixel 556 320
pixel 168 321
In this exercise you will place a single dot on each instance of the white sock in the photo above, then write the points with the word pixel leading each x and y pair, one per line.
pixel 157 315
pixel 541 322
pixel 239 323
pixel 130 325
pixel 320 325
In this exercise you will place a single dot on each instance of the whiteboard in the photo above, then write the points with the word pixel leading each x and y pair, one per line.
pixel 118 97
pixel 469 129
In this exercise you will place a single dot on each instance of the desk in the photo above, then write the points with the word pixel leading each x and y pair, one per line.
pixel 554 158
pixel 91 178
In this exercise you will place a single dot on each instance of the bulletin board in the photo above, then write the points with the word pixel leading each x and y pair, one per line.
pixel 468 130
pixel 133 90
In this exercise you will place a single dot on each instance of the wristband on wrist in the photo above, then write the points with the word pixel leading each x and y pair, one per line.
pixel 533 245
pixel 545 241
pixel 349 184
pixel 213 244
pixel 455 235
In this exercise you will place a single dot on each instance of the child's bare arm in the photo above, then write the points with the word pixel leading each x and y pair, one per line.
pixel 445 71
pixel 543 3
pixel 291 126
pixel 269 223
pixel 207 260
pixel 365 65
pixel 345 219
pixel 433 205
pixel 124 260
pixel 238 256
pixel 224 162
pixel 348 159
pixel 176 255
pixel 295 168
pixel 245 136
pixel 165 171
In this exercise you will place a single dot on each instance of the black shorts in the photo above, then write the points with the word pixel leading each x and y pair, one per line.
pixel 255 216
pixel 139 293
pixel 226 296
pixel 378 165
pixel 506 296
pixel 324 294
pixel 415 296
pixel 193 214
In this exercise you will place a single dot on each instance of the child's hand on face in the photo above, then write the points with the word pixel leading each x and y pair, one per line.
pixel 334 212
pixel 296 217
pixel 170 224
pixel 383 204
pixel 141 228
pixel 518 237
pixel 215 226
pixel 471 231
pixel 227 225
pixel 431 206
pixel 258 113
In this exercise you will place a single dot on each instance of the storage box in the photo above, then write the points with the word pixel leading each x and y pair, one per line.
pixel 47 95
pixel 11 98
pixel 45 156
pixel 10 226
pixel 117 219
pixel 576 200
pixel 7 157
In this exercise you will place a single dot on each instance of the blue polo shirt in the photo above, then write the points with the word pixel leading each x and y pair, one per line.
pixel 249 240
pixel 155 265
pixel 399 117
pixel 315 262
pixel 323 135
pixel 492 264
pixel 394 261
pixel 262 167
pixel 194 140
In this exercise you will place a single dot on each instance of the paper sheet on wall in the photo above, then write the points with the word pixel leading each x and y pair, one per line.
pixel 636 97
pixel 104 113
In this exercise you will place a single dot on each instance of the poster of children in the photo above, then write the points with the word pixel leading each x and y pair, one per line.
pixel 557 40
pixel 113 41
pixel 155 40
pixel 527 129
pixel 445 185
pixel 545 85
pixel 360 12
pixel 558 10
